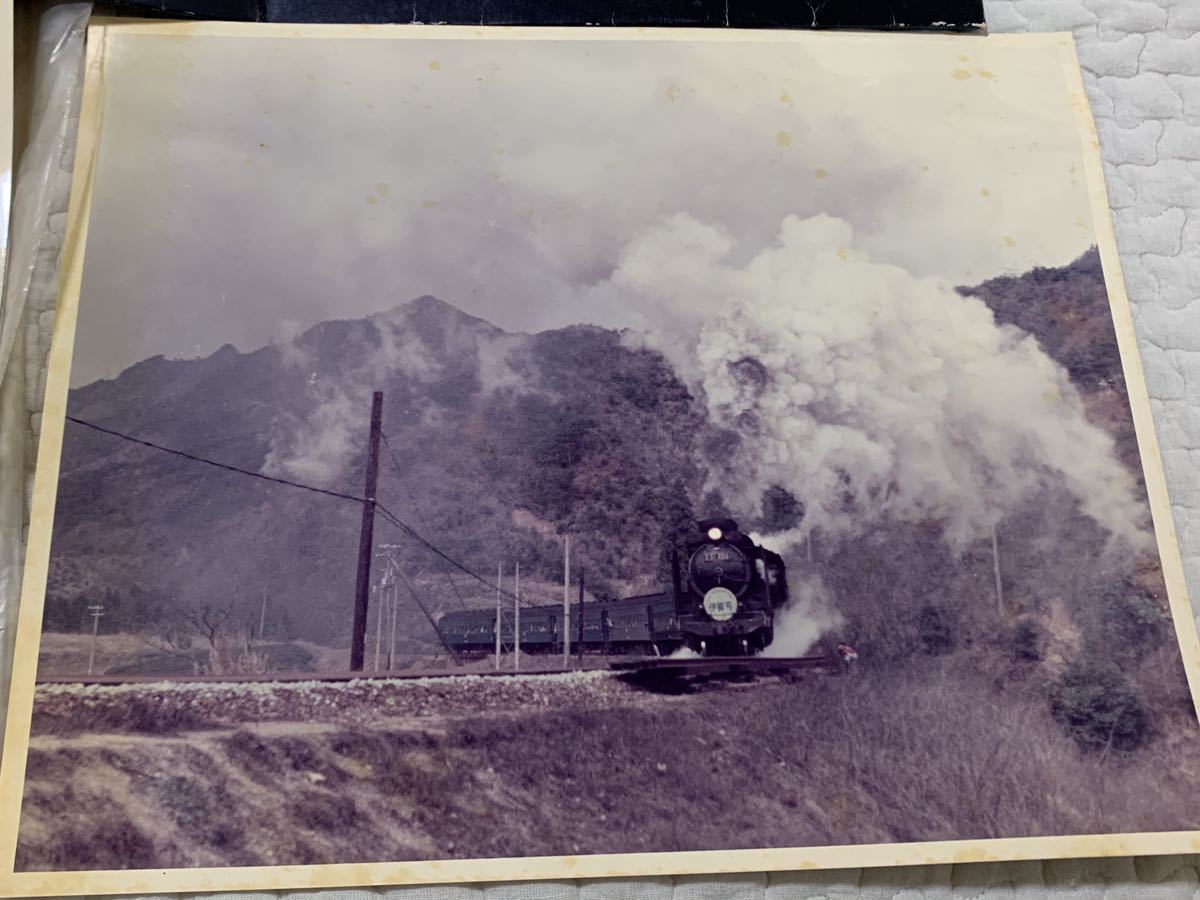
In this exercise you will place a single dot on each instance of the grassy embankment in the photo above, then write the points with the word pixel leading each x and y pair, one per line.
pixel 929 752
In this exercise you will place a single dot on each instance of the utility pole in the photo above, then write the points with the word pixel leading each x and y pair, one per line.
pixel 362 588
pixel 97 610
pixel 378 625
pixel 385 599
pixel 393 579
pixel 395 601
pixel 581 616
pixel 499 575
pixel 517 620
pixel 996 571
pixel 262 616
pixel 566 601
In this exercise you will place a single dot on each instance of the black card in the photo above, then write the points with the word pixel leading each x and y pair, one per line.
pixel 925 15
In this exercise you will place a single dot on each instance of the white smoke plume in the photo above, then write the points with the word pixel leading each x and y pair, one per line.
pixel 867 392
pixel 809 614
pixel 320 448
pixel 317 450
pixel 418 342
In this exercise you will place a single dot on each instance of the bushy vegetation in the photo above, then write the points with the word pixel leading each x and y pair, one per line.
pixel 1099 707
pixel 1125 621
pixel 934 630
pixel 781 509
pixel 1027 641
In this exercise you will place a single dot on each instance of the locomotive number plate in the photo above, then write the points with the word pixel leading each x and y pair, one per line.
pixel 720 604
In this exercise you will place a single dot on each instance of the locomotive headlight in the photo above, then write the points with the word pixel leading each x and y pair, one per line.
pixel 715 534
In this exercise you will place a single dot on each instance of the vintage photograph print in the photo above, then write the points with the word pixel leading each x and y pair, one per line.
pixel 483 446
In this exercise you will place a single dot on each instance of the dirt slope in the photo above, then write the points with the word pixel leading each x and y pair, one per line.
pixel 584 765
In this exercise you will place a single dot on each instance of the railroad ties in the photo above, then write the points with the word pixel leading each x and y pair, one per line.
pixel 676 676
pixel 665 675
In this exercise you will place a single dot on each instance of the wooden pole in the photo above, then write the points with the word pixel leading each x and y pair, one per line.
pixel 378 626
pixel 581 615
pixel 499 614
pixel 395 612
pixel 566 629
pixel 389 613
pixel 517 620
pixel 366 538
pixel 97 610
pixel 996 571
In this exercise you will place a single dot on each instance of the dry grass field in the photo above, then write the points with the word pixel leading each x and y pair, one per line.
pixel 66 654
pixel 581 764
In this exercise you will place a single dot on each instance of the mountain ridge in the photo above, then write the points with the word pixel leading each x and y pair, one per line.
pixel 450 435
pixel 488 431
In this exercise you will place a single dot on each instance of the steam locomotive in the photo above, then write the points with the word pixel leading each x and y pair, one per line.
pixel 724 592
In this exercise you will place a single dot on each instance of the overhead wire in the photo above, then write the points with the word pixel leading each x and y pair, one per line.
pixel 212 462
pixel 393 519
pixel 387 514
pixel 416 507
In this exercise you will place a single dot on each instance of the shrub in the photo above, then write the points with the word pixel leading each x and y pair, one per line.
pixel 1026 641
pixel 323 812
pixel 1125 622
pixel 119 844
pixel 201 810
pixel 934 630
pixel 1136 617
pixel 1099 707
pixel 780 509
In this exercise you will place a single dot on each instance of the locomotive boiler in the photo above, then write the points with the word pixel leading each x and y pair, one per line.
pixel 726 590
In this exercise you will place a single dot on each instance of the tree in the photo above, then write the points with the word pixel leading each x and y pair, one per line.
pixel 1099 707
pixel 228 639
pixel 781 509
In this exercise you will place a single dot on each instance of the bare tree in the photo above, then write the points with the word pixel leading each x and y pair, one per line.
pixel 172 640
pixel 211 623
pixel 230 649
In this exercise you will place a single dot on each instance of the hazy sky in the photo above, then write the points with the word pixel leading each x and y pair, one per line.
pixel 247 189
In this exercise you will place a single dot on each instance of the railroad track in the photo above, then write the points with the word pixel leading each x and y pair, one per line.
pixel 676 675
pixel 292 678
pixel 643 672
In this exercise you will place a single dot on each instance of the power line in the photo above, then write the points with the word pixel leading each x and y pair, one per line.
pixel 415 535
pixel 417 509
pixel 388 515
pixel 436 630
pixel 210 462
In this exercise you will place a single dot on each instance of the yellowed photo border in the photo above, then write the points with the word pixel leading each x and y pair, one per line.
pixel 12 771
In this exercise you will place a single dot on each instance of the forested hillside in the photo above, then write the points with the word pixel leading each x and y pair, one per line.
pixel 496 446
